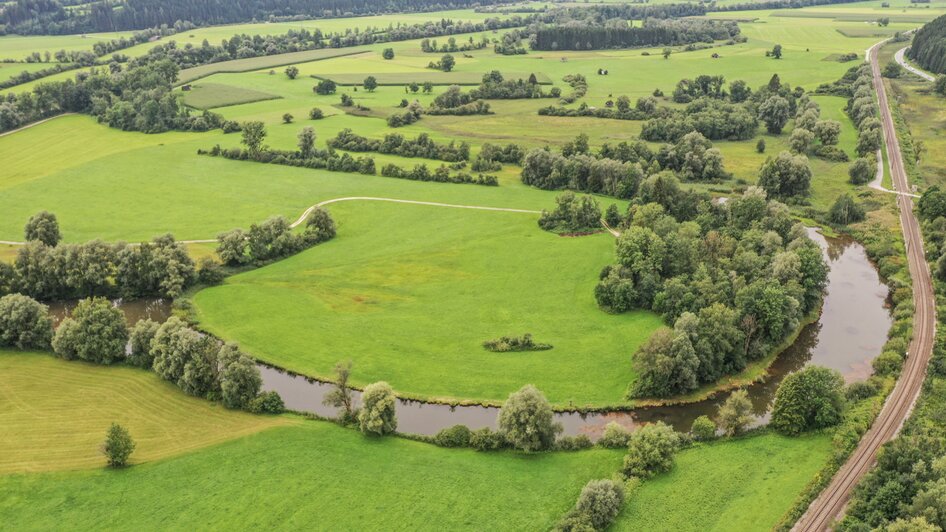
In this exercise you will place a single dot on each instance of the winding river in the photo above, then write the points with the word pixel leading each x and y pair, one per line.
pixel 850 332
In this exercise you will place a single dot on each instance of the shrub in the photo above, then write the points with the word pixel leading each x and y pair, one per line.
pixel 862 171
pixel 860 390
pixel 319 226
pixel 455 436
pixel 703 429
pixel 140 340
pixel 316 114
pixel 209 272
pixel 506 344
pixel 601 501
pixel 526 419
pixel 736 413
pixel 118 446
pixel 488 440
pixel 24 323
pixel 240 380
pixel 846 211
pixel 615 436
pixel 378 415
pixel 43 227
pixel 808 399
pixel 267 403
pixel 96 332
pixel 760 146
pixel 573 443
pixel 651 450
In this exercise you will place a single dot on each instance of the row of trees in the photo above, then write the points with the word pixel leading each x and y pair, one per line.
pixel 653 32
pixel 619 170
pixel 48 270
pixel 96 332
pixel 396 144
pixel 441 174
pixel 273 239
pixel 733 279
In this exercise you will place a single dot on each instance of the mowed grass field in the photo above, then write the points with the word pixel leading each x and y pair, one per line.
pixel 314 476
pixel 410 293
pixel 746 484
pixel 55 414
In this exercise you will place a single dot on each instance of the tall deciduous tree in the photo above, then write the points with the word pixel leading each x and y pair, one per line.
pixel 808 399
pixel 43 227
pixel 527 420
pixel 378 414
pixel 96 332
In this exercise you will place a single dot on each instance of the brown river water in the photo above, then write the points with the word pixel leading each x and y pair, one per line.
pixel 850 332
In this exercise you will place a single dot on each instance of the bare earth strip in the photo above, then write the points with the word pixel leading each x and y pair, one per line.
pixel 830 505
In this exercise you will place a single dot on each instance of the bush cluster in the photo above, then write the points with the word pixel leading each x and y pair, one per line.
pixel 396 144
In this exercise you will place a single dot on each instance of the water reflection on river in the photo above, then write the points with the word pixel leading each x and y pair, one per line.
pixel 849 334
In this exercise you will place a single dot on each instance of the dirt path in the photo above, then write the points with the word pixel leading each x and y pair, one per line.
pixel 831 504
pixel 27 126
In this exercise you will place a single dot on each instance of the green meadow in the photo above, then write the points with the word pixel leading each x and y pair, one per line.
pixel 410 293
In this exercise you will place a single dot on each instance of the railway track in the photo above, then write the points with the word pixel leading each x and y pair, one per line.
pixel 831 504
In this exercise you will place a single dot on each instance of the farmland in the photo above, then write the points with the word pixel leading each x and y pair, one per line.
pixel 418 280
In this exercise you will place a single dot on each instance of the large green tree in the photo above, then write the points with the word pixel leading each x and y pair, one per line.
pixel 95 332
pixel 43 227
pixel 527 420
pixel 808 399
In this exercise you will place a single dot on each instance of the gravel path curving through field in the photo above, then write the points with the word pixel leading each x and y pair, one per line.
pixel 305 214
pixel 831 504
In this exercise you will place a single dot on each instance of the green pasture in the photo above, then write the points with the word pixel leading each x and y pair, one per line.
pixel 410 293
pixel 256 63
pixel 211 95
pixel 436 77
pixel 19 47
pixel 55 413
pixel 8 70
pixel 746 484
pixel 315 476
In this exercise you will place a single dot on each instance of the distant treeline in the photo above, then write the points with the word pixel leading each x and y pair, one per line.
pixel 654 32
pixel 52 16
pixel 929 46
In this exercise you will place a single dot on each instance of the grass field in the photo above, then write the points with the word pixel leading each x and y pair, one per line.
pixel 55 413
pixel 255 63
pixel 433 76
pixel 212 95
pixel 410 293
pixel 8 70
pixel 315 476
pixel 746 484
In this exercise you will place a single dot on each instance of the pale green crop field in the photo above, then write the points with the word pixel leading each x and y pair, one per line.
pixel 19 47
pixel 8 70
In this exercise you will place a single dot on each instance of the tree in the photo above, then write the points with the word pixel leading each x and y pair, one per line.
pixel 775 112
pixel 739 91
pixel 231 247
pixel 388 53
pixel 846 211
pixel 378 410
pixel 306 142
pixel 892 70
pixel 118 446
pixel 253 135
pixel 24 323
pixel 615 436
pixel 140 341
pixel 287 118
pixel 801 140
pixel 319 226
pixel 341 397
pixel 651 450
pixel 527 420
pixel 868 141
pixel 809 399
pixel 777 51
pixel 736 413
pixel 862 170
pixel 667 52
pixel 447 63
pixel 916 524
pixel 240 379
pixel 703 429
pixel 939 86
pixel 600 501
pixel 370 83
pixel 43 227
pixel 786 176
pixel 828 132
pixel 324 87
pixel 760 146
pixel 316 114
pixel 209 272
pixel 96 332
pixel 533 80
pixel 292 71
pixel 428 87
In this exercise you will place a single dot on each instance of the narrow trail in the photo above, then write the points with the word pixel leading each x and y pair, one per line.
pixel 903 62
pixel 27 126
pixel 831 504
pixel 305 214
